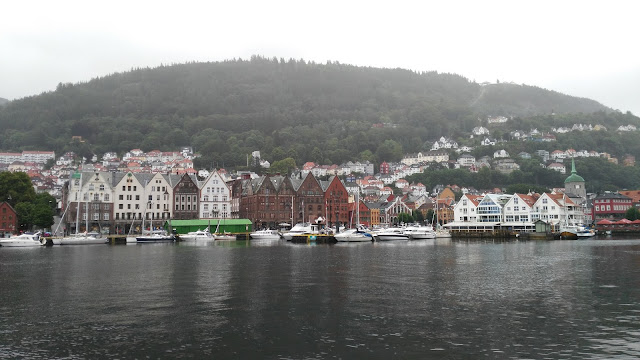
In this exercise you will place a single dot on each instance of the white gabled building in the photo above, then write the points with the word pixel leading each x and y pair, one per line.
pixel 518 209
pixel 490 208
pixel 215 198
pixel 444 143
pixel 465 210
pixel 557 209
pixel 480 130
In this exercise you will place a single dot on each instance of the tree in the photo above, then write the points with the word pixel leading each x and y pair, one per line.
pixel 24 212
pixel 284 166
pixel 405 218
pixel 389 150
pixel 632 213
pixel 16 187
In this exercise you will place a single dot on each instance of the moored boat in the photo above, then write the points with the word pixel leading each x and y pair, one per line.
pixel 420 232
pixel 360 234
pixel 81 239
pixel 23 240
pixel 199 235
pixel 391 234
pixel 265 235
pixel 155 236
pixel 297 229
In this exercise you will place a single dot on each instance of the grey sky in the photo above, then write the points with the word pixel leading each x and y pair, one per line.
pixel 581 48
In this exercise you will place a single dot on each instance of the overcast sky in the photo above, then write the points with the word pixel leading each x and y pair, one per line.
pixel 582 48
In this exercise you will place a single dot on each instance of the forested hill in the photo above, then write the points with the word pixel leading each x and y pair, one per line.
pixel 308 111
pixel 3 101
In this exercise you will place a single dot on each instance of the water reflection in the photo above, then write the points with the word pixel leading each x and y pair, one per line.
pixel 437 298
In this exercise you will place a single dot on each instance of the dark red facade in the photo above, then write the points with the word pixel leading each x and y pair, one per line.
pixel 8 219
pixel 185 199
pixel 273 200
pixel 611 206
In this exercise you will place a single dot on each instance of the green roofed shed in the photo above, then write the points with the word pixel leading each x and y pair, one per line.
pixel 234 226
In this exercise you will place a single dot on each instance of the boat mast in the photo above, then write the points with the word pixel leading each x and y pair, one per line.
pixel 78 205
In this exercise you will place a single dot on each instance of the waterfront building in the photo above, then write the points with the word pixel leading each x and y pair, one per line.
pixel 518 209
pixel 610 206
pixel 215 196
pixel 490 208
pixel 9 220
pixel 336 201
pixel 465 210
pixel 185 199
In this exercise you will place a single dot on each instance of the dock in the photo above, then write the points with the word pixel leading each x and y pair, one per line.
pixel 313 238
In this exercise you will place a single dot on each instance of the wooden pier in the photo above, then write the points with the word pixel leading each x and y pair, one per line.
pixel 313 238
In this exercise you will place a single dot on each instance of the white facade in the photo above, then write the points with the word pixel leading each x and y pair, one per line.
pixel 215 198
pixel 465 210
pixel 517 210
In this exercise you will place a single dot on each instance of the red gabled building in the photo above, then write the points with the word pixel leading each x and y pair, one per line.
pixel 309 199
pixel 336 201
pixel 8 219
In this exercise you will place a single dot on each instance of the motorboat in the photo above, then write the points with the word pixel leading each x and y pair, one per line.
pixel 570 231
pixel 585 232
pixel 199 235
pixel 420 232
pixel 224 236
pixel 155 236
pixel 297 229
pixel 265 235
pixel 359 234
pixel 81 239
pixel 23 240
pixel 391 234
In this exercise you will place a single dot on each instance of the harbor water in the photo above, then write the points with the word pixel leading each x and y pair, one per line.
pixel 431 299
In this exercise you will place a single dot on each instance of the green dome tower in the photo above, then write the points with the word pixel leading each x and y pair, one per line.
pixel 574 184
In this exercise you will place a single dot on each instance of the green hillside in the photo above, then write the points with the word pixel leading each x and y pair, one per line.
pixel 326 113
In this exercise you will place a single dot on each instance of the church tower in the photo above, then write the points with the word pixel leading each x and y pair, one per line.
pixel 574 184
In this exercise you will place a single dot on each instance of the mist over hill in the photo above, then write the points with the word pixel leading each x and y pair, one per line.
pixel 3 101
pixel 328 113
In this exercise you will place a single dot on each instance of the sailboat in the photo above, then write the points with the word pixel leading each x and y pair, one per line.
pixel 441 233
pixel 224 235
pixel 85 237
pixel 153 235
pixel 357 234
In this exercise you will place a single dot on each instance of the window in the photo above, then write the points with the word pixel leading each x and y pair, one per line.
pixel 137 197
pixel 120 206
pixel 101 187
pixel 106 197
pixel 96 197
pixel 96 216
pixel 121 197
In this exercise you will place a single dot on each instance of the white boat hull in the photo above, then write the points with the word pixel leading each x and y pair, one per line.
pixel 422 236
pixel 81 241
pixel 391 237
pixel 265 235
pixel 21 243
pixel 353 237
pixel 24 240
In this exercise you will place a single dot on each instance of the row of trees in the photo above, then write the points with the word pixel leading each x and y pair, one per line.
pixel 33 210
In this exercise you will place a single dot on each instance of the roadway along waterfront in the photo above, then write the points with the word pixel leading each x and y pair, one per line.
pixel 272 299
